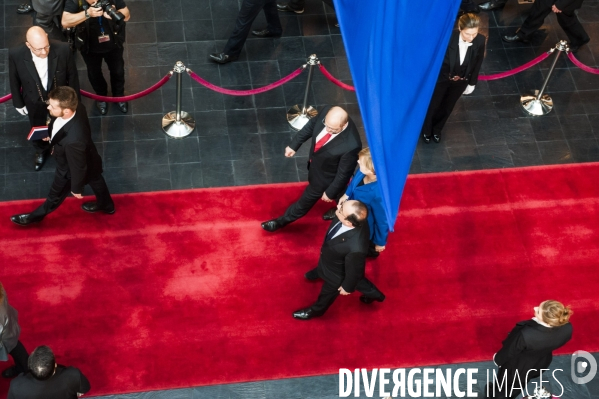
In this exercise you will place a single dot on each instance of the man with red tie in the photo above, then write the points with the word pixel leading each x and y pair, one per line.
pixel 332 161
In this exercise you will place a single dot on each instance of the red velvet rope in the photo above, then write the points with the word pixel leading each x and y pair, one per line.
pixel 147 91
pixel 5 98
pixel 259 90
pixel 514 71
pixel 581 65
pixel 334 79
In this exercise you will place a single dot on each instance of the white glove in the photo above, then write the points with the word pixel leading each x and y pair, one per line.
pixel 22 111
pixel 469 89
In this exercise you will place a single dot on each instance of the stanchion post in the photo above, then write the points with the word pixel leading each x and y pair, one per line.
pixel 178 123
pixel 540 103
pixel 299 115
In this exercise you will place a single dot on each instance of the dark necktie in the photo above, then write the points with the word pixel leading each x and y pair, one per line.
pixel 333 231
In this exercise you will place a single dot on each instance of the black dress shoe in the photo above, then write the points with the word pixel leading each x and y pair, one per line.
pixel 40 158
pixel 272 225
pixel 330 214
pixel 514 39
pixel 124 107
pixel 492 5
pixel 222 58
pixel 102 106
pixel 21 220
pixel 305 314
pixel 285 7
pixel 436 138
pixel 92 207
pixel 264 33
pixel 575 48
pixel 312 275
pixel 368 300
pixel 24 9
pixel 10 372
pixel 427 139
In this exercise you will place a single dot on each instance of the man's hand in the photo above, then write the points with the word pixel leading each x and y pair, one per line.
pixel 379 248
pixel 77 195
pixel 325 198
pixel 555 9
pixel 289 152
pixel 22 111
pixel 94 12
pixel 342 291
pixel 46 139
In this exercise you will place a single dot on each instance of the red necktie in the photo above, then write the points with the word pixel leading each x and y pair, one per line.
pixel 322 141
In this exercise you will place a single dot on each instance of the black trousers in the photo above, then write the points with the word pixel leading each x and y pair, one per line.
pixel 61 187
pixel 247 14
pixel 299 208
pixel 116 65
pixel 20 356
pixel 566 19
pixel 38 116
pixel 446 95
pixel 299 4
pixel 329 292
pixel 468 5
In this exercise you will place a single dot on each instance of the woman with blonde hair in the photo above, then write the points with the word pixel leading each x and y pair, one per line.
pixel 529 347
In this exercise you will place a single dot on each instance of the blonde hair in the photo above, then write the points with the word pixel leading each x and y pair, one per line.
pixel 468 21
pixel 555 313
pixel 366 159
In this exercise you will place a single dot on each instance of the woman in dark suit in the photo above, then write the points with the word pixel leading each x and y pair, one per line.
pixel 459 74
pixel 529 347
pixel 364 187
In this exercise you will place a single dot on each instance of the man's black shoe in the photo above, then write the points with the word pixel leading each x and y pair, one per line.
pixel 305 314
pixel 285 7
pixel 492 5
pixel 264 33
pixel 330 214
pixel 513 39
pixel 272 225
pixel 427 139
pixel 40 158
pixel 102 106
pixel 92 207
pixel 368 300
pixel 575 48
pixel 21 220
pixel 222 58
pixel 10 372
pixel 24 9
pixel 124 107
pixel 436 138
pixel 312 275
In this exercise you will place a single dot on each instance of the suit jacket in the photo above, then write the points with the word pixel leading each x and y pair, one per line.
pixel 333 165
pixel 370 195
pixel 76 155
pixel 9 328
pixel 24 80
pixel 473 60
pixel 343 259
pixel 568 5
pixel 529 346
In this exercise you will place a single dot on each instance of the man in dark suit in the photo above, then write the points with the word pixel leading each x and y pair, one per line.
pixel 333 156
pixel 34 69
pixel 77 160
pixel 566 17
pixel 342 260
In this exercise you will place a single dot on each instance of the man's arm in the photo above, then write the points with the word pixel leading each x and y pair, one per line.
pixel 70 20
pixel 126 13
pixel 72 75
pixel 478 63
pixel 347 166
pixel 304 134
pixel 15 83
pixel 84 385
pixel 355 262
pixel 511 346
pixel 75 153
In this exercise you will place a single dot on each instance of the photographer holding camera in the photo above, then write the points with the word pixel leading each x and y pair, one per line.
pixel 100 35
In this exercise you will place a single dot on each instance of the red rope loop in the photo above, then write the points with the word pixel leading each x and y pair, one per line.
pixel 259 90
pixel 582 66
pixel 333 79
pixel 514 71
pixel 5 98
pixel 131 97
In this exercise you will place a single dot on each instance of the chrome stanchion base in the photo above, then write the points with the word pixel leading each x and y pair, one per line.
pixel 297 119
pixel 180 129
pixel 537 107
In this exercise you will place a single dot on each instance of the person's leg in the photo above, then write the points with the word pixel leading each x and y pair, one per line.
pixel 94 73
pixel 298 209
pixel 116 66
pixel 38 116
pixel 369 290
pixel 538 12
pixel 296 5
pixel 433 107
pixel 327 296
pixel 100 189
pixel 573 28
pixel 272 17
pixel 61 187
pixel 20 356
pixel 452 95
pixel 247 14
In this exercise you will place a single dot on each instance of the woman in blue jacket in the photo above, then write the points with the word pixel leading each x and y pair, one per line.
pixel 365 187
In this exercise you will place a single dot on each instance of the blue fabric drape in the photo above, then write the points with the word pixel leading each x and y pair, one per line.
pixel 395 49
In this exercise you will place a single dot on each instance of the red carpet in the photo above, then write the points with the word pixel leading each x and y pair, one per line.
pixel 183 288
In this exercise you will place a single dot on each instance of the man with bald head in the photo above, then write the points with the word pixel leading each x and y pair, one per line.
pixel 34 69
pixel 332 161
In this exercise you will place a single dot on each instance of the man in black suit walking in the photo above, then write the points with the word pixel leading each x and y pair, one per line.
pixel 333 156
pixel 342 260
pixel 77 160
pixel 34 69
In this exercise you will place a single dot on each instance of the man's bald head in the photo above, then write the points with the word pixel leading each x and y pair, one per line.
pixel 37 41
pixel 336 120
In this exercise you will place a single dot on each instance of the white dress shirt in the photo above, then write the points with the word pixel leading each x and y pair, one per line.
pixel 463 49
pixel 58 124
pixel 342 229
pixel 41 65
pixel 322 133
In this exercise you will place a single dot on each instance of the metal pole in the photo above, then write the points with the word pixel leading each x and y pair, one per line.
pixel 298 116
pixel 178 123
pixel 540 103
